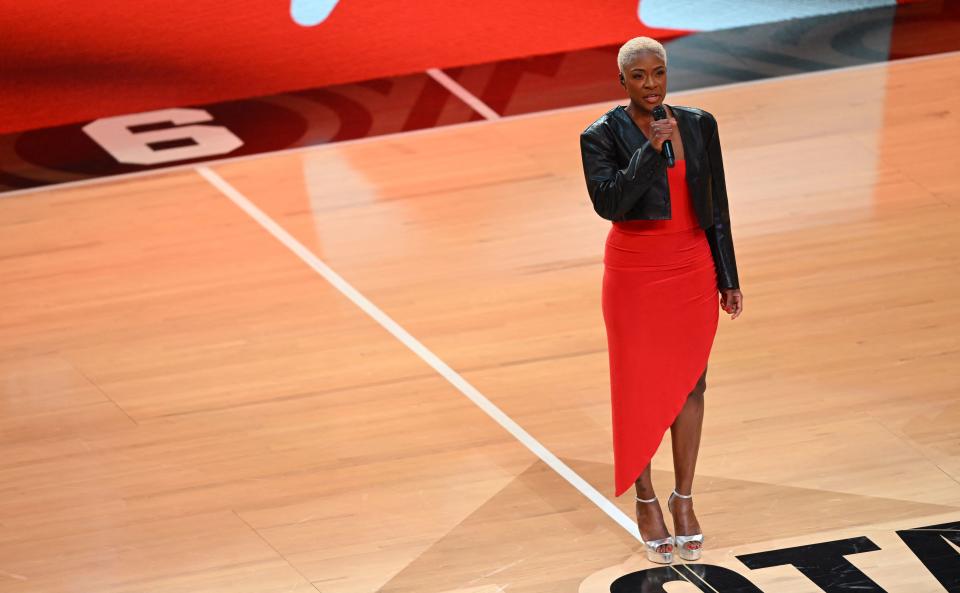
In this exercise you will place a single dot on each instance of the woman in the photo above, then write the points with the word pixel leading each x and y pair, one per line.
pixel 668 253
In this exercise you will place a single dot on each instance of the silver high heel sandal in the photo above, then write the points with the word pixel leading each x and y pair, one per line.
pixel 651 546
pixel 683 541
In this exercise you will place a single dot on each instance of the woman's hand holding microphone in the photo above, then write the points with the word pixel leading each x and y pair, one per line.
pixel 661 130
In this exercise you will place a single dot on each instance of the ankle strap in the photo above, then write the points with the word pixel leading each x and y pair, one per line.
pixel 647 500
pixel 678 495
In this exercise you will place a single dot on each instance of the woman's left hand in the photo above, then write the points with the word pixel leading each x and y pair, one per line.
pixel 731 301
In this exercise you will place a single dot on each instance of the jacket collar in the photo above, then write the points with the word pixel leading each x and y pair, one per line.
pixel 687 125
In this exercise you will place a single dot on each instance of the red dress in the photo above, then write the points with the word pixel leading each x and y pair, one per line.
pixel 660 307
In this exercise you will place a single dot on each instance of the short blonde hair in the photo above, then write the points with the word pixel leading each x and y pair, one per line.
pixel 631 49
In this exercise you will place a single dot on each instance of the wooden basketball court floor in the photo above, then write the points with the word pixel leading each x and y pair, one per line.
pixel 192 402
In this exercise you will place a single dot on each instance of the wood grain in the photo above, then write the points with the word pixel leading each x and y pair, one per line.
pixel 185 406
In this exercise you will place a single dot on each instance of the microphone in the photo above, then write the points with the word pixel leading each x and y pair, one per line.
pixel 660 113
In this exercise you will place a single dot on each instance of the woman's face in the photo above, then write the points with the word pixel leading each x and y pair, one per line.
pixel 646 80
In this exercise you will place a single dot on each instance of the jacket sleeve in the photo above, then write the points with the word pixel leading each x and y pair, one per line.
pixel 615 191
pixel 719 235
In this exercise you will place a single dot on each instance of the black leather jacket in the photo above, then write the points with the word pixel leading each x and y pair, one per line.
pixel 627 178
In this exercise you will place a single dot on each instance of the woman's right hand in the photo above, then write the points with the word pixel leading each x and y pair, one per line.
pixel 661 130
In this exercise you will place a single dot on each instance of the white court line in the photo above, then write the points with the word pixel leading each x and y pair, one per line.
pixel 461 93
pixel 439 129
pixel 420 350
pixel 693 574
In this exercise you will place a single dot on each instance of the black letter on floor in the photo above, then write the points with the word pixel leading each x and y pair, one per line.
pixel 824 564
pixel 930 545
pixel 651 580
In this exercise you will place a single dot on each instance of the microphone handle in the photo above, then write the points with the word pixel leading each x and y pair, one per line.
pixel 667 148
pixel 668 152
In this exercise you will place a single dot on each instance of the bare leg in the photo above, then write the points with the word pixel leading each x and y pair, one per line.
pixel 685 437
pixel 649 515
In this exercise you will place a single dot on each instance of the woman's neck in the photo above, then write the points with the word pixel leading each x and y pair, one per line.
pixel 641 117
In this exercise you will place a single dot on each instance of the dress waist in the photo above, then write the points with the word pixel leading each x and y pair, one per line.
pixel 683 217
